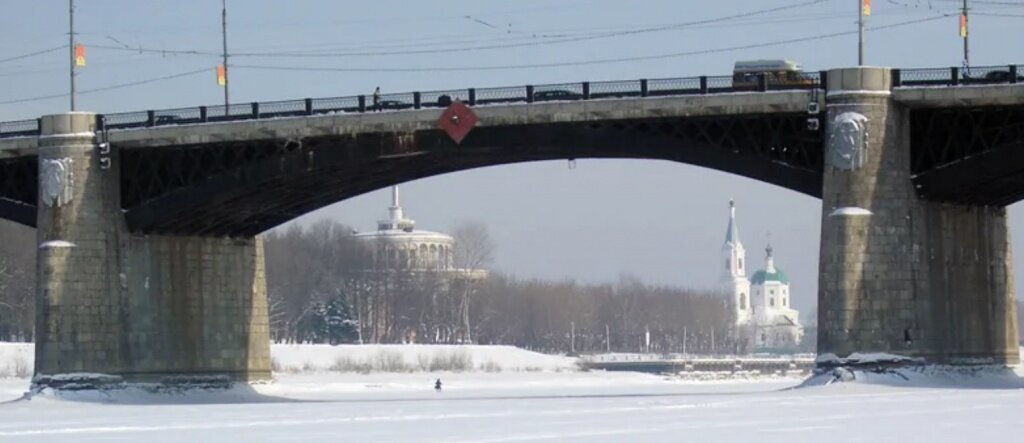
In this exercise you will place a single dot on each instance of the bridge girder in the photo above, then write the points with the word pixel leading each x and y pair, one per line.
pixel 241 189
pixel 968 155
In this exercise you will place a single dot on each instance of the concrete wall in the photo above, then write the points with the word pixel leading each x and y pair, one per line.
pixel 198 306
pixel 141 307
pixel 940 273
pixel 79 303
pixel 967 274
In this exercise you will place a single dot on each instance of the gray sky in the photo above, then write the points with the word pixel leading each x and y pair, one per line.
pixel 662 221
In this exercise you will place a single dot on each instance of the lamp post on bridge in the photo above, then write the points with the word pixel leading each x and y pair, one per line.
pixel 863 10
pixel 71 49
pixel 963 34
pixel 224 39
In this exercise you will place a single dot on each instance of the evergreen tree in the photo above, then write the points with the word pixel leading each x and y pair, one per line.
pixel 333 322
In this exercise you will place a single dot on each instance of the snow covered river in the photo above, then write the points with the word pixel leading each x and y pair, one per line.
pixel 530 406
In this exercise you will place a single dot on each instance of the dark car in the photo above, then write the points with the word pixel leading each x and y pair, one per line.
pixel 167 119
pixel 394 104
pixel 556 94
pixel 1002 77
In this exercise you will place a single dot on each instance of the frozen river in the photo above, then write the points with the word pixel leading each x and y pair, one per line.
pixel 532 406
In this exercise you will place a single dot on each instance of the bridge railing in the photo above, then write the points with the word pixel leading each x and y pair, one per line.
pixel 19 128
pixel 956 76
pixel 515 94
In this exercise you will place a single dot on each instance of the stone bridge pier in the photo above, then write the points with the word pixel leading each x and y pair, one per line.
pixel 897 273
pixel 141 308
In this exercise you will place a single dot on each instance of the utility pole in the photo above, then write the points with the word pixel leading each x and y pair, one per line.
pixel 572 337
pixel 71 48
pixel 862 6
pixel 963 33
pixel 684 340
pixel 607 339
pixel 712 341
pixel 224 36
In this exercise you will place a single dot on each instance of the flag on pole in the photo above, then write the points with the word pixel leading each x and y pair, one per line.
pixel 222 78
pixel 963 25
pixel 79 54
pixel 867 7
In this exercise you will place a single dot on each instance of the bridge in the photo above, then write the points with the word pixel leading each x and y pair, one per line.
pixel 150 268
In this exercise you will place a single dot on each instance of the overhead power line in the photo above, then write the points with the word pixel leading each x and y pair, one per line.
pixel 108 88
pixel 594 62
pixel 548 41
pixel 142 50
pixel 1001 15
pixel 543 42
pixel 33 54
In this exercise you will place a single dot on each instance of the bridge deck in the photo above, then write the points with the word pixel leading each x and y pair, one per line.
pixel 748 103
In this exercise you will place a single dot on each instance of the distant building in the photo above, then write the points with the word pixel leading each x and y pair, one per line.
pixel 411 279
pixel 398 247
pixel 762 303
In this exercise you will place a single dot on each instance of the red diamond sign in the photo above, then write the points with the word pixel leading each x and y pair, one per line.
pixel 457 120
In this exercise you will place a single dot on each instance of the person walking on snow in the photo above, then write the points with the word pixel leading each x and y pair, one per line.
pixel 437 385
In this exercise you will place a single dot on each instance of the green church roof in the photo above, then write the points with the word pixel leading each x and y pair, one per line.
pixel 761 276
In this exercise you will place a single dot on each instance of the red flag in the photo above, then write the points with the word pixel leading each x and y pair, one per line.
pixel 222 77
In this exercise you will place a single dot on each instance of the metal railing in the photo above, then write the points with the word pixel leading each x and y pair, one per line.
pixel 516 94
pixel 954 76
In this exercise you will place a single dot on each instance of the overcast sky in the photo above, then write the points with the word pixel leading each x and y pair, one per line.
pixel 663 222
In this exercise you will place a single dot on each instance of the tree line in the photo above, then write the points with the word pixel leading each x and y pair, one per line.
pixel 323 288
pixel 324 263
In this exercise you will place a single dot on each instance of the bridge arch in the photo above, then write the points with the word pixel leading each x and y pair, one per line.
pixel 244 188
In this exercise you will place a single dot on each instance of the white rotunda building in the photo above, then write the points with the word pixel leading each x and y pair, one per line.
pixel 762 303
pixel 397 245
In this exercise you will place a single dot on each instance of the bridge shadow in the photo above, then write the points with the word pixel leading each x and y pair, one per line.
pixel 248 394
pixel 924 377
pixel 151 395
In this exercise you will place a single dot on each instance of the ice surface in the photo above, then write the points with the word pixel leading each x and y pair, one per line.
pixel 920 404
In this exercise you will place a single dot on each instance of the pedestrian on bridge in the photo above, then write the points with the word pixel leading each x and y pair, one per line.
pixel 376 99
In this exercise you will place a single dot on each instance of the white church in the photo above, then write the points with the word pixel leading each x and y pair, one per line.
pixel 762 303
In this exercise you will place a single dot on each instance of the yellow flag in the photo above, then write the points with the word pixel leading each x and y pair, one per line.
pixel 867 7
pixel 79 54
pixel 963 26
pixel 222 78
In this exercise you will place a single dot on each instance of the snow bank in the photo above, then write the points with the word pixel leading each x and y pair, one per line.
pixel 923 376
pixel 413 358
pixel 850 210
pixel 866 359
pixel 16 360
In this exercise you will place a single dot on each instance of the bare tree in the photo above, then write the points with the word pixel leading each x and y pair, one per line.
pixel 473 251
pixel 17 281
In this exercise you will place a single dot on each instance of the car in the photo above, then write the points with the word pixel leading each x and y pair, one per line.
pixel 393 104
pixel 556 94
pixel 166 119
pixel 1002 76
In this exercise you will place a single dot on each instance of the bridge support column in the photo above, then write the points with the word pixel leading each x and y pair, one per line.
pixel 898 274
pixel 135 308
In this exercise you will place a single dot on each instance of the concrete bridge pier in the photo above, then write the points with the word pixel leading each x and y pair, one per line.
pixel 899 274
pixel 136 308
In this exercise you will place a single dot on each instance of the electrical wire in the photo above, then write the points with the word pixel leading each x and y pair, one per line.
pixel 108 88
pixel 570 39
pixel 545 42
pixel 592 62
pixel 33 54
